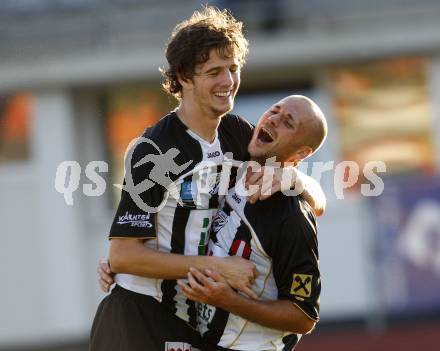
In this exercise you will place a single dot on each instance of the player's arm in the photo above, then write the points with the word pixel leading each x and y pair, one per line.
pixel 133 257
pixel 130 254
pixel 210 288
pixel 135 223
pixel 295 261
pixel 294 253
pixel 296 181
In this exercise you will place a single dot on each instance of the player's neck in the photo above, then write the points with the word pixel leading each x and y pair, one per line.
pixel 198 122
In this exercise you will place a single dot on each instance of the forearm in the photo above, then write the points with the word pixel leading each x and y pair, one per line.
pixel 280 314
pixel 133 257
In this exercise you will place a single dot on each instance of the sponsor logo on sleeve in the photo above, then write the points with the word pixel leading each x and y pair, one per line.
pixel 135 220
pixel 301 285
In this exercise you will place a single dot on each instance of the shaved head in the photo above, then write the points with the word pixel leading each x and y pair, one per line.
pixel 291 130
pixel 312 120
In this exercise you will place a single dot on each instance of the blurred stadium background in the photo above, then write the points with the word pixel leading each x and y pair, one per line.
pixel 79 79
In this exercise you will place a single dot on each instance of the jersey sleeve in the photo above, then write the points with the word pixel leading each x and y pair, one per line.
pixel 295 265
pixel 133 218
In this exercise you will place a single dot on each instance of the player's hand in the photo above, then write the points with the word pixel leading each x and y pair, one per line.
pixel 207 287
pixel 105 275
pixel 270 180
pixel 239 273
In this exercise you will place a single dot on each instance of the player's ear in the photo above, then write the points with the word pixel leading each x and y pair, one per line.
pixel 184 81
pixel 305 152
pixel 302 153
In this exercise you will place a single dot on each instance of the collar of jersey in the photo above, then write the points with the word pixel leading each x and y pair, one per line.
pixel 201 140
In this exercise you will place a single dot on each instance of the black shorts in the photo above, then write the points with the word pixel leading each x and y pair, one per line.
pixel 128 321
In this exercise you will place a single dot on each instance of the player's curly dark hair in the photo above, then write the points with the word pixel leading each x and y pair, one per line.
pixel 192 40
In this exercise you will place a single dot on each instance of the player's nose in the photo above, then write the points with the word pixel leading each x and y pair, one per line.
pixel 274 119
pixel 227 79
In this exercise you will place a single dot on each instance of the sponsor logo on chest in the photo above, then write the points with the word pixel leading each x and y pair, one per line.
pixel 236 198
pixel 213 154
pixel 219 221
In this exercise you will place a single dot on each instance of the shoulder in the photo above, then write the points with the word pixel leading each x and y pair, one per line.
pixel 235 133
pixel 154 138
pixel 300 219
pixel 169 132
pixel 233 121
pixel 161 132
pixel 298 210
pixel 290 218
pixel 236 126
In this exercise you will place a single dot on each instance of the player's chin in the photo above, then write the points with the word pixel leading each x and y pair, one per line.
pixel 255 151
pixel 224 105
pixel 222 110
pixel 260 146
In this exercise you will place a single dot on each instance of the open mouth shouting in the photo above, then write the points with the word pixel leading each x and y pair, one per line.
pixel 265 136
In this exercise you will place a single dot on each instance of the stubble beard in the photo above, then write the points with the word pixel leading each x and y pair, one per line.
pixel 221 113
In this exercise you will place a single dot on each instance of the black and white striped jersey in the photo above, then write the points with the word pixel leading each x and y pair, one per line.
pixel 279 236
pixel 173 183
